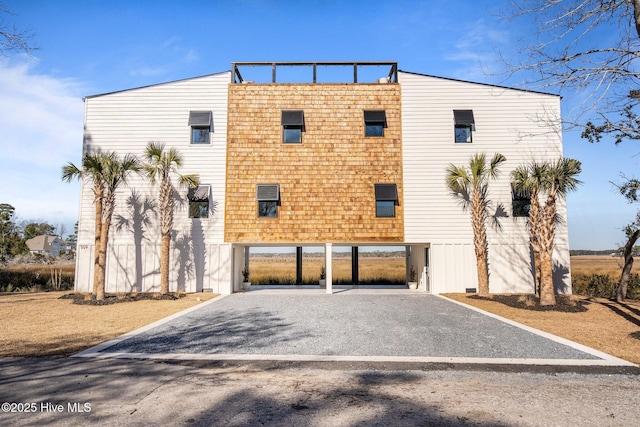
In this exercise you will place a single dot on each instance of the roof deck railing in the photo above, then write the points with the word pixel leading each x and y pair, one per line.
pixel 392 77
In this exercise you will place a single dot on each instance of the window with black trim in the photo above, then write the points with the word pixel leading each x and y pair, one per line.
pixel 520 203
pixel 374 122
pixel 464 125
pixel 199 201
pixel 268 197
pixel 386 200
pixel 292 126
pixel 201 123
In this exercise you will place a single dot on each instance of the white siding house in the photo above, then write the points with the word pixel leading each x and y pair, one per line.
pixel 521 125
pixel 125 122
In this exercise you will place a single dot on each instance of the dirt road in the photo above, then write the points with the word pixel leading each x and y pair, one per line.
pixel 138 392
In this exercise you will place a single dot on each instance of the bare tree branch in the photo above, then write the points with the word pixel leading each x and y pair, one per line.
pixel 13 39
pixel 591 47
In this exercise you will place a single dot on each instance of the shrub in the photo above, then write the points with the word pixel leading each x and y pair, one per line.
pixel 601 286
pixel 604 285
pixel 633 289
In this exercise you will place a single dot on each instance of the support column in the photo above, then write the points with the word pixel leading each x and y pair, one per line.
pixel 299 265
pixel 327 262
pixel 355 278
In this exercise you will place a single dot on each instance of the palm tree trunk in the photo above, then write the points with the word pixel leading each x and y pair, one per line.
pixel 108 206
pixel 98 193
pixel 166 224
pixel 164 264
pixel 546 236
pixel 534 231
pixel 547 293
pixel 480 243
pixel 537 269
pixel 102 259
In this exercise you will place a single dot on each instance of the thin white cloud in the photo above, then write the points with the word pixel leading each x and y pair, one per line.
pixel 169 56
pixel 477 48
pixel 41 118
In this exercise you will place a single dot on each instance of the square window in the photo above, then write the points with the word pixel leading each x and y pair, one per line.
pixel 292 135
pixel 201 126
pixel 374 122
pixel 374 130
pixel 198 209
pixel 199 135
pixel 520 206
pixel 268 209
pixel 199 201
pixel 463 133
pixel 385 209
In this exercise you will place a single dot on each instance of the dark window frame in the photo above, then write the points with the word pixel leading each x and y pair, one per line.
pixel 386 196
pixel 199 201
pixel 375 121
pixel 520 204
pixel 201 124
pixel 268 198
pixel 463 120
pixel 292 120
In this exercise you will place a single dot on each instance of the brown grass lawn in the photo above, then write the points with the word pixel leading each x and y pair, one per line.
pixel 606 325
pixel 42 324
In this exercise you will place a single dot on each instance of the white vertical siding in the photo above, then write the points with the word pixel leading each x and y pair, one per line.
pixel 522 126
pixel 125 122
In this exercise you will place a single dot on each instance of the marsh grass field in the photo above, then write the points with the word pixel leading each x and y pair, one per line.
pixel 600 264
pixel 37 277
pixel 266 269
pixel 282 269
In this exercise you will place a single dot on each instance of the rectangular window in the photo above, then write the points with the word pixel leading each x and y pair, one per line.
pixel 201 123
pixel 199 201
pixel 520 203
pixel 292 126
pixel 268 197
pixel 464 125
pixel 374 122
pixel 386 200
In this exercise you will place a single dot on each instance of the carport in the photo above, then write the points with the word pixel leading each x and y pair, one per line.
pixel 416 263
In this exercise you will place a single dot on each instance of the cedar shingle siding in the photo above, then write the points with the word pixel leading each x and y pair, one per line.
pixel 327 182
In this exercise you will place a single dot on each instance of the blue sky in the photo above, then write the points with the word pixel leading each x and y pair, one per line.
pixel 90 47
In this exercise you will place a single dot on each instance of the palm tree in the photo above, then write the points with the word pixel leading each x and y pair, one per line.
pixel 115 174
pixel 106 172
pixel 92 169
pixel 559 178
pixel 526 181
pixel 471 185
pixel 161 164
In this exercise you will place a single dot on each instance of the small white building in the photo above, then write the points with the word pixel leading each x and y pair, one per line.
pixel 319 164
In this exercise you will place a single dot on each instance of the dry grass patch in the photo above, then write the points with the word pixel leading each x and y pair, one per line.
pixel 600 264
pixel 43 324
pixel 283 269
pixel 598 323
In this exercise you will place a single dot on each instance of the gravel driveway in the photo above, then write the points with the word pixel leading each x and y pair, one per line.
pixel 355 325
